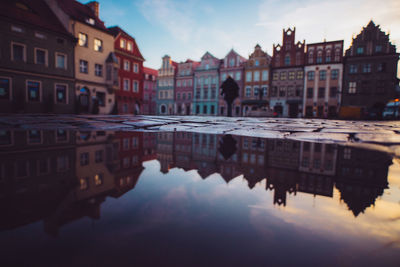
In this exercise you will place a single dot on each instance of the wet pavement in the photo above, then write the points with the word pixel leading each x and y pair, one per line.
pixel 190 191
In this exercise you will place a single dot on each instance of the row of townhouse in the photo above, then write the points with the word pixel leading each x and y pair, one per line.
pixel 59 57
pixel 289 166
pixel 299 80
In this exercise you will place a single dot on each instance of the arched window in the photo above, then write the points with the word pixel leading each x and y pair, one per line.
pixel 328 56
pixel 311 57
pixel 319 56
pixel 287 60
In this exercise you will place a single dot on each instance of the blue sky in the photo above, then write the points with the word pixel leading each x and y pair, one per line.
pixel 188 28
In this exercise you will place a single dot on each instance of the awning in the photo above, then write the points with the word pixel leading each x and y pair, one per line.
pixel 254 102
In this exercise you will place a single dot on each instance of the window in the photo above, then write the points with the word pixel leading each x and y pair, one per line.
pixel 98 70
pixel 334 74
pixel 287 60
pixel 265 75
pixel 256 76
pixel 282 91
pixel 257 63
pixel 353 69
pixel 322 75
pixel 61 135
pixel 130 46
pixel 62 163
pixel 83 66
pixel 333 92
pixel 126 85
pixel 135 142
pixel 367 68
pixel 328 56
pixel 61 94
pixel 347 153
pixel 127 65
pixel 319 56
pixel 310 93
pixel 283 75
pixel 98 45
pixel 300 75
pixel 84 159
pixel 311 57
pixel 223 77
pixel 321 92
pixel 360 50
pixel 98 156
pixel 256 91
pixel 40 56
pixel 135 86
pixel 98 179
pixel 18 52
pixel 238 76
pixel 135 68
pixel 381 67
pixel 248 91
pixel 232 62
pixel 122 43
pixel 101 97
pixel 33 91
pixel 43 166
pixel 310 75
pixel 291 75
pixel 337 54
pixel 61 61
pixel 378 48
pixel 5 88
pixel 34 137
pixel 83 39
pixel 352 87
pixel 83 184
pixel 265 91
pixel 275 76
pixel 248 76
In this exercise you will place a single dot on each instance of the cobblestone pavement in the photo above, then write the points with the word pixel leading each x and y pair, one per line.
pixel 383 135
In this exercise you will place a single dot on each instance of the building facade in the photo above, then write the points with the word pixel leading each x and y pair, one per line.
pixel 206 82
pixel 323 81
pixel 184 87
pixel 166 86
pixel 370 69
pixel 256 81
pixel 36 60
pixel 286 94
pixel 95 65
pixel 233 66
pixel 130 72
pixel 149 91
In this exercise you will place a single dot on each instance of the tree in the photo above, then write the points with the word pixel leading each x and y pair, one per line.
pixel 230 91
pixel 227 146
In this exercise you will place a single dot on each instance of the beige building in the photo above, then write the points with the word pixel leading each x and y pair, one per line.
pixel 96 66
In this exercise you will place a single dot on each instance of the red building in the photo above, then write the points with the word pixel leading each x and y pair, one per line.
pixel 149 91
pixel 130 60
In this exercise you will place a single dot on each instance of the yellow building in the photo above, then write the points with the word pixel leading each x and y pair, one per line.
pixel 96 66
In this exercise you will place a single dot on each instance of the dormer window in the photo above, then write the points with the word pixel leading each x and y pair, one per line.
pixel 90 21
pixel 122 43
pixel 130 46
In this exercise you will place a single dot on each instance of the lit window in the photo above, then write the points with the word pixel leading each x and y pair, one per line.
pixel 83 39
pixel 83 66
pixel 84 184
pixel 122 43
pixel 98 45
pixel 352 87
pixel 299 75
pixel 283 75
pixel 98 179
pixel 130 46
pixel 33 89
pixel 275 76
pixel 61 93
pixel 291 75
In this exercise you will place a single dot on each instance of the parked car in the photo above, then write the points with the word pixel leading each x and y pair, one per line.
pixel 392 110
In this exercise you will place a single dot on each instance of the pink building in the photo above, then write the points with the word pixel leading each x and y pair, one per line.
pixel 184 87
pixel 149 91
pixel 233 66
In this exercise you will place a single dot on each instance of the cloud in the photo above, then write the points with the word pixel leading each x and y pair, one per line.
pixel 340 19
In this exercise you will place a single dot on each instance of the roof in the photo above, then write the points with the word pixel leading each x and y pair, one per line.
pixel 116 31
pixel 150 71
pixel 33 12
pixel 81 12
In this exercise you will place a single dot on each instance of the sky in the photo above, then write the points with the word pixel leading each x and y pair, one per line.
pixel 188 28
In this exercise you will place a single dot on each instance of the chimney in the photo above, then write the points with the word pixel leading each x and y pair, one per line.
pixel 95 6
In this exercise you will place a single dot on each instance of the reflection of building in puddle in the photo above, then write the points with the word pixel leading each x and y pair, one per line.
pixel 362 177
pixel 37 172
pixel 165 147
pixel 204 154
pixel 61 176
